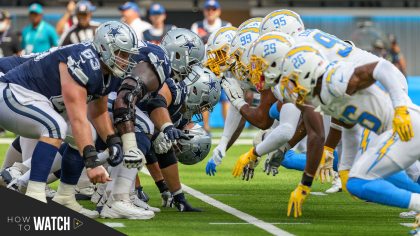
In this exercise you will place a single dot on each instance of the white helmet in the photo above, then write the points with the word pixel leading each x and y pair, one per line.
pixel 239 51
pixel 250 23
pixel 285 21
pixel 217 49
pixel 267 54
pixel 301 68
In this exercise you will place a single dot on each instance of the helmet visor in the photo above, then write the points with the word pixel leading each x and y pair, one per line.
pixel 292 91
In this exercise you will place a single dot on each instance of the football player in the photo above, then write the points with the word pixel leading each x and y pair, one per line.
pixel 348 93
pixel 49 92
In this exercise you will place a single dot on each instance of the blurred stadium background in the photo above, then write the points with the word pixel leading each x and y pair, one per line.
pixel 363 22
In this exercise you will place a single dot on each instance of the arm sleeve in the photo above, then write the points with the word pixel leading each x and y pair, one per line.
pixel 233 118
pixel 350 140
pixel 389 77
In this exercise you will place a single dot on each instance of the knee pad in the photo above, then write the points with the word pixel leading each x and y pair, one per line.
pixel 284 132
pixel 151 157
pixel 166 159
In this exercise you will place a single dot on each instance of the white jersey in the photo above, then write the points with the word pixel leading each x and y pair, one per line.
pixel 371 107
pixel 335 49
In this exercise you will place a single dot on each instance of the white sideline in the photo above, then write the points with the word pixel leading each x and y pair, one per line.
pixel 269 223
pixel 241 215
pixel 114 225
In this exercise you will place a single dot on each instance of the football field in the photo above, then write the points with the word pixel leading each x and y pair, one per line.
pixel 262 200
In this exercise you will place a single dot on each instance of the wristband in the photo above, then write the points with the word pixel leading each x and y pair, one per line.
pixel 329 149
pixel 113 139
pixel 165 125
pixel 90 157
pixel 307 180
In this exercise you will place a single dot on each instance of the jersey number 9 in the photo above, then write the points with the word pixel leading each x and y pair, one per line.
pixel 329 41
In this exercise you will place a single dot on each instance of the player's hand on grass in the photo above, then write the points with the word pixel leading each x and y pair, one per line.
pixel 297 198
pixel 218 153
pixel 248 170
pixel 325 168
pixel 273 161
pixel 243 160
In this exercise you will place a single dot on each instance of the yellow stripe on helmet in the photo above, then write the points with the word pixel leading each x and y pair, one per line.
pixel 278 37
pixel 301 49
pixel 283 12
pixel 222 30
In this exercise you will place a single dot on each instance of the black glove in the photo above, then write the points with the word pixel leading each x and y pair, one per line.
pixel 116 155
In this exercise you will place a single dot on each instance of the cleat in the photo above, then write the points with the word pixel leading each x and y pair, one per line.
pixel 166 199
pixel 84 191
pixel 49 192
pixel 99 191
pixel 89 213
pixel 14 185
pixel 336 185
pixel 140 203
pixel 119 206
pixel 142 195
pixel 14 172
pixel 409 215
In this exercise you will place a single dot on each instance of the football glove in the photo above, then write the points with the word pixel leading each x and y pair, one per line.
pixel 234 92
pixel 402 123
pixel 114 144
pixel 249 169
pixel 166 198
pixel 218 153
pixel 273 161
pixel 134 159
pixel 297 197
pixel 325 167
pixel 344 176
pixel 161 143
pixel 243 160
pixel 173 133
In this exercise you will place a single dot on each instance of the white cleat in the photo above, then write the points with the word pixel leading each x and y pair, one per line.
pixel 336 184
pixel 140 203
pixel 49 192
pixel 119 206
pixel 409 215
pixel 89 213
pixel 84 190
pixel 14 172
pixel 99 192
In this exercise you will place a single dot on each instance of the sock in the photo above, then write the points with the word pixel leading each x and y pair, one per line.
pixel 161 184
pixel 133 185
pixel 414 202
pixel 72 166
pixel 403 181
pixel 379 191
pixel 295 161
pixel 335 164
pixel 121 186
pixel 42 160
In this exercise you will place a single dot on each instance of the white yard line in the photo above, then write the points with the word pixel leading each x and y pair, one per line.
pixel 237 142
pixel 407 224
pixel 114 225
pixel 241 215
pixel 6 140
pixel 269 223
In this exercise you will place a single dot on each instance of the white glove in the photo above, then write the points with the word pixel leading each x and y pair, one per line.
pixel 273 161
pixel 234 92
pixel 162 144
pixel 220 150
pixel 134 159
pixel 166 199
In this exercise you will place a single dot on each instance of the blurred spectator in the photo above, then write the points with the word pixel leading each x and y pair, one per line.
pixel 204 28
pixel 9 42
pixel 130 14
pixel 85 28
pixel 211 21
pixel 379 49
pixel 397 57
pixel 157 16
pixel 39 36
pixel 67 20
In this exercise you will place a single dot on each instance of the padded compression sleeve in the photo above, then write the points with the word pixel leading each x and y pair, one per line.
pixel 388 76
pixel 233 118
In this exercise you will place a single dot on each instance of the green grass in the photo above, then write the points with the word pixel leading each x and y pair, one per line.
pixel 264 197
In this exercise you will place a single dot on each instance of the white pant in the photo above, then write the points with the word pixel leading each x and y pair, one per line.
pixel 30 121
pixel 388 154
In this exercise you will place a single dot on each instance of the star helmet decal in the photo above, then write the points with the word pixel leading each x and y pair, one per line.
pixel 198 152
pixel 211 84
pixel 189 44
pixel 113 32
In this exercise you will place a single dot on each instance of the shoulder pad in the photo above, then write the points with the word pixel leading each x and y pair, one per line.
pixel 336 79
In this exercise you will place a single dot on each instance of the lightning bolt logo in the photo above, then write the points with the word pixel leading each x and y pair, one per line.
pixel 384 149
pixel 365 140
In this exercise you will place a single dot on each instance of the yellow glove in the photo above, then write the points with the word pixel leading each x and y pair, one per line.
pixel 243 160
pixel 344 176
pixel 296 200
pixel 402 123
pixel 325 167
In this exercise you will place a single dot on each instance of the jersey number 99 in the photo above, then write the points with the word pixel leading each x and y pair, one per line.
pixel 329 41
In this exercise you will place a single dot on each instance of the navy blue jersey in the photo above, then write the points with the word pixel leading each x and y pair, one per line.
pixel 179 94
pixel 9 63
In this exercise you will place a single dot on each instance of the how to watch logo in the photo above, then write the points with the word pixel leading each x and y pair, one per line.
pixel 44 223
